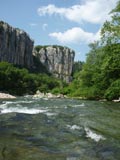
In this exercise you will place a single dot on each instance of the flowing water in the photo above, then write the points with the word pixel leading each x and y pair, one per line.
pixel 59 129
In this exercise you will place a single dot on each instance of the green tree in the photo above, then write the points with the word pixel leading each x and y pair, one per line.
pixel 20 81
pixel 111 29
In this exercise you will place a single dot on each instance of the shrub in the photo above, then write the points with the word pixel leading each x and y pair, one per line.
pixel 113 92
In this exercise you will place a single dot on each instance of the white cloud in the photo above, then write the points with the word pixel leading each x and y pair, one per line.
pixel 93 11
pixel 75 35
pixel 44 26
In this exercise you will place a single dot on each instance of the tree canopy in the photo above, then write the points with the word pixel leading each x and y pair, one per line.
pixel 19 81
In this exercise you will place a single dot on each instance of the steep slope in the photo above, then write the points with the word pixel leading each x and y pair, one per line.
pixel 15 46
pixel 57 59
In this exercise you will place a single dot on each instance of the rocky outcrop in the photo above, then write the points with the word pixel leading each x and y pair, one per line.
pixel 57 59
pixel 116 100
pixel 48 95
pixel 15 46
pixel 6 96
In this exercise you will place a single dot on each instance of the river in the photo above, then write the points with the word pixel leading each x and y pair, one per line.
pixel 59 129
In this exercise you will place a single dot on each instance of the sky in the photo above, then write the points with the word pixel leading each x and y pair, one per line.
pixel 71 23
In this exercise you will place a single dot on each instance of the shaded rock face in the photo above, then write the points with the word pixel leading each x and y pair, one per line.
pixel 58 60
pixel 15 46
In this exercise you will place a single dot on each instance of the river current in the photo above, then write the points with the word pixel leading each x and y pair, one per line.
pixel 59 129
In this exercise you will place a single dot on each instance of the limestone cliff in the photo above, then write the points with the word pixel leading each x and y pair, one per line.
pixel 15 46
pixel 57 59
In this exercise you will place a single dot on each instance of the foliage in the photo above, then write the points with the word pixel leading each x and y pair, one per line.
pixel 101 69
pixel 39 47
pixel 39 67
pixel 77 66
pixel 111 29
pixel 20 81
pixel 100 74
pixel 113 92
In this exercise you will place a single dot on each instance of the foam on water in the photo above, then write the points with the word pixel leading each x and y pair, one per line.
pixel 72 158
pixel 50 114
pixel 7 103
pixel 22 110
pixel 73 127
pixel 93 135
pixel 6 108
pixel 79 105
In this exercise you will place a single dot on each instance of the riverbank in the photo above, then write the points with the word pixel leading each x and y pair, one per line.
pixel 39 94
pixel 6 96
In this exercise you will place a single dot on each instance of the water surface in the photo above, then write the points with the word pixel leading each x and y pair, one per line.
pixel 59 129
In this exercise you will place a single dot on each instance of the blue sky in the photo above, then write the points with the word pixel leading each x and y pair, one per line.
pixel 72 23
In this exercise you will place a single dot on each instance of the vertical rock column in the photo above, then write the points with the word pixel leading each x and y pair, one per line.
pixel 58 60
pixel 15 46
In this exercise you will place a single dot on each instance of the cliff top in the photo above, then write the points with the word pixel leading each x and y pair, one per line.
pixel 39 47
pixel 21 31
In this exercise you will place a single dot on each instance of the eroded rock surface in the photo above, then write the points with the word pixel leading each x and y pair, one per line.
pixel 15 46
pixel 58 60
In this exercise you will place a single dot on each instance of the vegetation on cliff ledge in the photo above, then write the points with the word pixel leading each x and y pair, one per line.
pixel 39 47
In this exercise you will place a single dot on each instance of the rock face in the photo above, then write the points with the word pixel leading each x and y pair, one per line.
pixel 15 46
pixel 58 60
